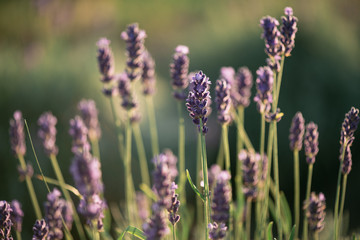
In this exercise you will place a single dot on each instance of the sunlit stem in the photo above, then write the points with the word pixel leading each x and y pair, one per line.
pixel 277 183
pixel 18 235
pixel 174 232
pixel 199 209
pixel 308 190
pixel 296 192
pixel 153 128
pixel 181 154
pixel 129 185
pixel 226 147
pixel 120 134
pixel 343 191
pixel 248 218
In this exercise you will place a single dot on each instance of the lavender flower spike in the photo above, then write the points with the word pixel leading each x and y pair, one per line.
pixel 197 102
pixel 179 69
pixel 89 114
pixel 156 227
pixel 288 30
pixel 250 173
pixel 217 232
pixel 148 74
pixel 17 215
pixel 124 88
pixel 5 220
pixel 78 131
pixel 271 35
pixel 264 86
pixel 17 137
pixel 105 60
pixel 349 126
pixel 41 230
pixel 241 89
pixel 222 197
pixel 47 133
pixel 311 142
pixel 134 38
pixel 92 208
pixel 315 212
pixel 297 130
pixel 223 100
pixel 347 162
pixel 174 207
pixel 53 214
pixel 162 180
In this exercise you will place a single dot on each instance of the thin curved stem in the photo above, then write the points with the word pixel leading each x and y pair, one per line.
pixel 296 192
pixel 343 193
pixel 181 154
pixel 199 212
pixel 174 232
pixel 153 128
pixel 226 147
pixel 206 181
pixel 277 183
pixel 308 190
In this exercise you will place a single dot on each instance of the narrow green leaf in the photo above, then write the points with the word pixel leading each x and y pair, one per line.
pixel 292 235
pixel 148 191
pixel 193 186
pixel 107 220
pixel 269 231
pixel 133 231
pixel 286 214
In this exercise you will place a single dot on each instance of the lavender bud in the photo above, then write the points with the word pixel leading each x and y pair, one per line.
pixel 223 100
pixel 124 88
pixel 179 69
pixel 174 207
pixel 197 102
pixel 271 35
pixel 311 142
pixel 105 60
pixel 17 215
pixel 53 214
pixel 78 131
pixel 349 126
pixel 148 74
pixel 347 162
pixel 142 205
pixel 23 173
pixel 134 38
pixel 47 133
pixel 171 161
pixel 288 30
pixel 217 232
pixel 89 115
pixel 162 180
pixel 250 173
pixel 92 208
pixel 5 220
pixel 213 172
pixel 86 171
pixel 274 63
pixel 264 86
pixel 242 87
pixel 315 212
pixel 297 130
pixel 41 230
pixel 156 227
pixel 221 199
pixel 17 137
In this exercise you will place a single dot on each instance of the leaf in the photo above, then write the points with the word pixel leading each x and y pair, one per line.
pixel 292 235
pixel 269 231
pixel 286 214
pixel 107 220
pixel 133 231
pixel 193 186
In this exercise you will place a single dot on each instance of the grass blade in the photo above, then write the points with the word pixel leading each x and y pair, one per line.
pixel 193 186
pixel 133 231
pixel 269 231
pixel 292 234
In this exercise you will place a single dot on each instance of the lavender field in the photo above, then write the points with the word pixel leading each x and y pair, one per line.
pixel 154 120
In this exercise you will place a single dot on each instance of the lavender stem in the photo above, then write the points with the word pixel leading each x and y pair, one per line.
pixel 153 128
pixel 277 183
pixel 199 212
pixel 308 190
pixel 118 128
pixel 128 176
pixel 181 154
pixel 336 211
pixel 296 192
pixel 248 218
pixel 95 148
pixel 343 193
pixel 226 146
pixel 220 156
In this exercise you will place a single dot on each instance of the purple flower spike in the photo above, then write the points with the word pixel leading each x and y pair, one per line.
pixel 221 199
pixel 89 114
pixel 174 207
pixel 271 35
pixel 5 220
pixel 315 212
pixel 134 38
pixel 288 30
pixel 217 232
pixel 311 142
pixel 124 87
pixel 197 102
pixel 264 86
pixel 228 74
pixel 78 131
pixel 53 214
pixel 148 74
pixel 47 133
pixel 297 130
pixel 179 69
pixel 105 60
pixel 241 89
pixel 274 63
pixel 156 227
pixel 250 173
pixel 41 230
pixel 162 180
pixel 347 162
pixel 223 100
pixel 349 126
pixel 92 208
pixel 17 137
pixel 17 215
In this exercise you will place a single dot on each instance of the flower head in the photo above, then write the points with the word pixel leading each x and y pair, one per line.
pixel 349 126
pixel 264 86
pixel 179 69
pixel 92 208
pixel 241 89
pixel 223 100
pixel 315 212
pixel 47 132
pixel 156 227
pixel 288 30
pixel 271 35
pixel 17 215
pixel 311 142
pixel 297 130
pixel 347 162
pixel 5 220
pixel 17 136
pixel 124 88
pixel 250 173
pixel 89 114
pixel 142 205
pixel 162 180
pixel 41 230
pixel 217 232
pixel 174 207
pixel 221 199
pixel 148 74
pixel 78 131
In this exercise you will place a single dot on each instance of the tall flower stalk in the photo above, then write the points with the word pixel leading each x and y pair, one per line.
pixel 197 105
pixel 18 146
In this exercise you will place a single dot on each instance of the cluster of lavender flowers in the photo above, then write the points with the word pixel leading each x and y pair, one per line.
pixel 315 212
pixel 223 100
pixel 11 216
pixel 179 69
pixel 17 136
pixel 297 130
pixel 311 142
pixel 47 133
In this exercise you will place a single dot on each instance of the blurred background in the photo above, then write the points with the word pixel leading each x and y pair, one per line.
pixel 48 63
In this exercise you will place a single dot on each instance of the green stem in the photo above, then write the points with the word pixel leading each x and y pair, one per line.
pixel 296 192
pixel 206 180
pixel 95 232
pixel 226 147
pixel 342 204
pixel 95 148
pixel 248 218
pixel 240 122
pixel 56 182
pixel 336 211
pixel 220 156
pixel 174 233
pixel 308 190
pixel 316 236
pixel 279 80
pixel 118 129
pixel 277 183
pixel 153 128
pixel 181 153
pixel 67 196
pixel 18 235
pixel 198 169
pixel 128 178
pixel 30 187
pixel 144 169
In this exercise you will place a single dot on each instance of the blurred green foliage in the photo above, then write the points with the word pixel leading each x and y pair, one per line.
pixel 48 63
